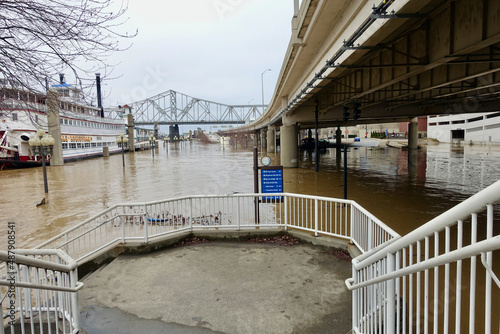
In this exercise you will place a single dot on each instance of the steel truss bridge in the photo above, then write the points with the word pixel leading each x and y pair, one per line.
pixel 172 107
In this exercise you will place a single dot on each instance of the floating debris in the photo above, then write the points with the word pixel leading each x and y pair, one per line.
pixel 283 240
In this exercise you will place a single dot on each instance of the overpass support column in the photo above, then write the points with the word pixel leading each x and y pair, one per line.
pixel 289 146
pixel 263 139
pixel 413 134
pixel 256 139
pixel 271 139
pixel 338 137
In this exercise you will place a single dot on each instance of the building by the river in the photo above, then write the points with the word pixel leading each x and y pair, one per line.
pixel 482 128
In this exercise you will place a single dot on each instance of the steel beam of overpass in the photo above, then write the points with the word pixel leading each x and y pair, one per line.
pixel 395 61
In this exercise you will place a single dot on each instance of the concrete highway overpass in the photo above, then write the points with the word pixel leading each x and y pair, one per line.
pixel 358 63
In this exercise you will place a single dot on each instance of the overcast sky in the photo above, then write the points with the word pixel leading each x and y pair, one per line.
pixel 210 49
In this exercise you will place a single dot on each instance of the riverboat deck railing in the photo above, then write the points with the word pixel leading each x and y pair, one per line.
pixel 38 292
pixel 433 279
pixel 143 222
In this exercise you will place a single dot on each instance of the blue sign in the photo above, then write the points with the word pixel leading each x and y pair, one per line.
pixel 272 182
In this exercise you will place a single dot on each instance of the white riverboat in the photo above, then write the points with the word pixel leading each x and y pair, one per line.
pixel 84 129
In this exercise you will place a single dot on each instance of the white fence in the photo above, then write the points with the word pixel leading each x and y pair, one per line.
pixel 38 292
pixel 37 304
pixel 145 221
pixel 439 278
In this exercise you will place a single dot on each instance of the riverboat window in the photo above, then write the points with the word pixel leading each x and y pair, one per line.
pixel 70 122
pixel 444 123
pixel 458 122
pixel 79 145
pixel 72 145
pixel 14 116
pixel 94 144
pixel 64 146
pixel 61 121
pixel 87 144
pixel 432 124
pixel 36 118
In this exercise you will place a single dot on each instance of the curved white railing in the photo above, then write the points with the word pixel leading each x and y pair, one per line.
pixel 400 287
pixel 39 292
pixel 122 223
pixel 145 222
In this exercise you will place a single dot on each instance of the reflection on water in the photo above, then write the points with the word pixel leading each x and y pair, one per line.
pixel 403 195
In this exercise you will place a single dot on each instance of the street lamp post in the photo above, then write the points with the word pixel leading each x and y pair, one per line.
pixel 42 145
pixel 262 80
pixel 122 141
pixel 152 141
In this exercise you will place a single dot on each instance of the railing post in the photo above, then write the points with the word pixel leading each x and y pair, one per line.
pixel 74 300
pixel 285 198
pixel 191 214
pixel 66 243
pixel 123 224
pixel 370 235
pixel 27 292
pixel 238 214
pixel 352 225
pixel 354 298
pixel 146 239
pixel 316 217
pixel 391 297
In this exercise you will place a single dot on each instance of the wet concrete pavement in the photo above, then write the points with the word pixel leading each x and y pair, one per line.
pixel 221 287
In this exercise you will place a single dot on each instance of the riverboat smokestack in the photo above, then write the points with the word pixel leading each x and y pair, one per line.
pixel 99 98
pixel 61 78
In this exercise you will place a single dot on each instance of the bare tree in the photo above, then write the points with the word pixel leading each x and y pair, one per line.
pixel 40 38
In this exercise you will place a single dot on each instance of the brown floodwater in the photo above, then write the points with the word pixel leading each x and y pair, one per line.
pixel 402 195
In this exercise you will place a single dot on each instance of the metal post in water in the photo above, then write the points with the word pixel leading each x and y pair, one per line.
pixel 345 172
pixel 256 183
pixel 44 173
pixel 123 154
pixel 316 155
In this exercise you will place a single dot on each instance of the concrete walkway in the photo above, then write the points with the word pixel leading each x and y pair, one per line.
pixel 222 287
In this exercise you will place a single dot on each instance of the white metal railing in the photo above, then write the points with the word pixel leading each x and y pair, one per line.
pixel 144 222
pixel 122 223
pixel 430 280
pixel 38 292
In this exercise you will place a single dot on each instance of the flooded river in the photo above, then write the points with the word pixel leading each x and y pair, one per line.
pixel 402 195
